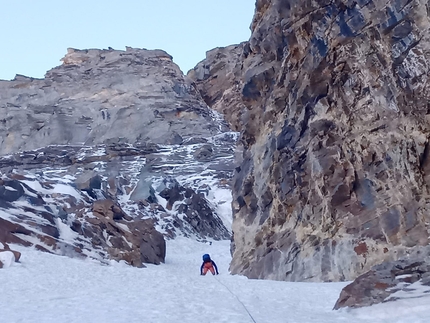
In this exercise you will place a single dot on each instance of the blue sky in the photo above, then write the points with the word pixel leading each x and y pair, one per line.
pixel 35 34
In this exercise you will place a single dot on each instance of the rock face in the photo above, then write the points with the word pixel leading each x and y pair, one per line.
pixel 218 80
pixel 85 154
pixel 106 202
pixel 195 210
pixel 405 278
pixel 335 169
pixel 97 96
pixel 133 240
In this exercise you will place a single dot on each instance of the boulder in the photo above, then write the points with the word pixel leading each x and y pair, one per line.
pixel 8 256
pixel 10 190
pixel 134 240
pixel 204 153
pixel 388 281
pixel 5 247
pixel 109 210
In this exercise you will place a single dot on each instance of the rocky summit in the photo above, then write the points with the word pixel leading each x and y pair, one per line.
pixel 109 155
pixel 331 98
pixel 99 96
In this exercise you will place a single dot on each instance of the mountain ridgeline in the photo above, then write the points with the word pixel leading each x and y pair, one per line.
pixel 115 151
pixel 109 155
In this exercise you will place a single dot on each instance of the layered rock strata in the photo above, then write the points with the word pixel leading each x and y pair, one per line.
pixel 334 175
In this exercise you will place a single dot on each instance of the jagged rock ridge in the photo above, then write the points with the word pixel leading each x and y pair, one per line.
pixel 334 176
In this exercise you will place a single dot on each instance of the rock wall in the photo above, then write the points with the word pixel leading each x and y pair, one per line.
pixel 335 169
pixel 217 78
pixel 99 96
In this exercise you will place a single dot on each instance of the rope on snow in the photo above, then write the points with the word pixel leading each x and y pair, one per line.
pixel 253 320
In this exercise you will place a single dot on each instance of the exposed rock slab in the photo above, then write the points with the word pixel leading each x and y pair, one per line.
pixel 133 240
pixel 195 210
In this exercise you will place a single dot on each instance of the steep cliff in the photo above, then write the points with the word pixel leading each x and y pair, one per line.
pixel 218 80
pixel 335 171
pixel 98 96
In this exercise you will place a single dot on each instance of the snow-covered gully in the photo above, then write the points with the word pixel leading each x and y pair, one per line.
pixel 49 288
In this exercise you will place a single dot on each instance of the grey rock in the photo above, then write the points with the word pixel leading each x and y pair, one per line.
pixel 144 189
pixel 153 247
pixel 196 209
pixel 388 282
pixel 10 190
pixel 217 78
pixel 89 182
pixel 204 153
pixel 97 96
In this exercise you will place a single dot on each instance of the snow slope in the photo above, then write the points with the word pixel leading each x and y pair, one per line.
pixel 48 288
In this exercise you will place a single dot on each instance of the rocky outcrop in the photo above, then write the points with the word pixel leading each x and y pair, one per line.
pixel 84 153
pixel 105 201
pixel 334 175
pixel 27 219
pixel 218 77
pixel 390 281
pixel 103 96
pixel 195 210
pixel 133 240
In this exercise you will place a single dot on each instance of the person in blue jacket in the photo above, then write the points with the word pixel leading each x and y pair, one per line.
pixel 208 265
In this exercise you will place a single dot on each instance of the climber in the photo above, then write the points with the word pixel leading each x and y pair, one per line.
pixel 208 264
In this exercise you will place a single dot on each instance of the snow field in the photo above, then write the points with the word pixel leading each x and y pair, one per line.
pixel 47 288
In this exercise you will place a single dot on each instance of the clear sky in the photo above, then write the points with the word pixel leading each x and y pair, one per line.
pixel 35 34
